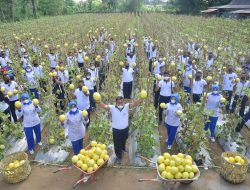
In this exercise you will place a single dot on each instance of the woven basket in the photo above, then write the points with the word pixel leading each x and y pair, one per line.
pixel 18 174
pixel 233 173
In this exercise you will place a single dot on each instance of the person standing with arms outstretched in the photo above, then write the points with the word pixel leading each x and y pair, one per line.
pixel 120 123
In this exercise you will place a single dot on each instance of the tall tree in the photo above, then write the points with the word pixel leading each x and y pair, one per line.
pixel 34 7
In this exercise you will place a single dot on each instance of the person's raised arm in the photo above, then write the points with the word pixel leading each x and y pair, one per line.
pixel 136 103
pixel 103 106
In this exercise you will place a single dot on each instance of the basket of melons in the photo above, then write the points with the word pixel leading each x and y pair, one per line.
pixel 15 167
pixel 233 167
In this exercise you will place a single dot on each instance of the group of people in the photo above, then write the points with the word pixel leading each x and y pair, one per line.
pixel 190 79
pixel 166 90
pixel 17 92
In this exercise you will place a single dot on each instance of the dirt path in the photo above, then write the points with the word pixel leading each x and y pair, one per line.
pixel 117 179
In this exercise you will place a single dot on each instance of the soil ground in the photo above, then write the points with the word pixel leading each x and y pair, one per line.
pixel 43 178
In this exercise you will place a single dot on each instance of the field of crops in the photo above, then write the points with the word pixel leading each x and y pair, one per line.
pixel 229 40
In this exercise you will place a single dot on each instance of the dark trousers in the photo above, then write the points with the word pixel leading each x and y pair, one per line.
pixel 34 92
pixel 89 112
pixel 127 89
pixel 80 65
pixel 91 99
pixel 197 98
pixel 156 96
pixel 148 54
pixel 163 99
pixel 77 146
pixel 243 121
pixel 13 110
pixel 120 137
pixel 150 65
pixel 95 88
pixel 228 95
pixel 43 84
pixel 242 100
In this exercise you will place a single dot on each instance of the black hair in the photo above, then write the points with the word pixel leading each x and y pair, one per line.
pixel 119 98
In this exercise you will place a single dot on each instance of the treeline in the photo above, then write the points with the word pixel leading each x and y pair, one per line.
pixel 15 10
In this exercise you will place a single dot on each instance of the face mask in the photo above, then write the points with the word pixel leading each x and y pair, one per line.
pixel 173 101
pixel 126 66
pixel 26 101
pixel 120 106
pixel 73 109
pixel 92 67
pixel 88 77
pixel 35 65
pixel 166 78
pixel 215 92
pixel 28 70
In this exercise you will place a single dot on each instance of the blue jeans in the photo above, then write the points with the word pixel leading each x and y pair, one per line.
pixel 29 135
pixel 34 92
pixel 211 125
pixel 171 133
pixel 77 146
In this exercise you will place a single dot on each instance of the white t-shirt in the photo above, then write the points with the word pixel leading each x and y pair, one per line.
pixel 82 100
pixel 52 60
pixel 89 83
pixel 10 87
pixel 70 61
pixel 186 81
pixel 228 81
pixel 38 71
pixel 25 61
pixel 79 57
pixel 127 75
pixel 153 54
pixel 158 66
pixel 3 106
pixel 171 117
pixel 198 86
pixel 209 63
pixel 241 88
pixel 119 117
pixel 64 76
pixel 3 61
pixel 166 88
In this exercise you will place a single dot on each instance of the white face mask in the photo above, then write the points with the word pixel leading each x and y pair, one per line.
pixel 173 101
pixel 166 78
pixel 120 107
pixel 215 92
pixel 26 101
pixel 92 67
pixel 73 109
